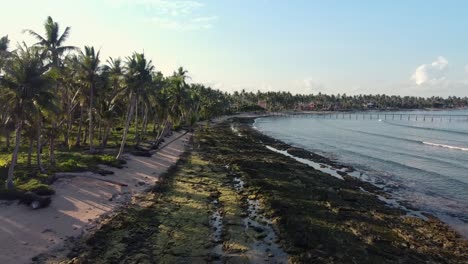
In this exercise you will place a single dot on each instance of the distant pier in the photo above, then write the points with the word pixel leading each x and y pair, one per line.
pixel 376 116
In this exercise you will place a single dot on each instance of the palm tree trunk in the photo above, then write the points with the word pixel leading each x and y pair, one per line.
pixel 136 123
pixel 100 129
pixel 145 121
pixel 39 147
pixel 80 126
pixel 85 141
pixel 52 150
pixel 106 136
pixel 67 133
pixel 91 128
pixel 30 150
pixel 142 131
pixel 14 157
pixel 7 136
pixel 127 125
pixel 163 131
pixel 68 116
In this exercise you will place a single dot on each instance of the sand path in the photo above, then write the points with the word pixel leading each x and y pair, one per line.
pixel 78 202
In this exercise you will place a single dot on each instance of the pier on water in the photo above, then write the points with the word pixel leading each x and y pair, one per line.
pixel 376 116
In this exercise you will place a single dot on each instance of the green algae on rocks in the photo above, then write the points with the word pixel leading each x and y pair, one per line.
pixel 232 197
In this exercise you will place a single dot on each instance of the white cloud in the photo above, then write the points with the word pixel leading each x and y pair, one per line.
pixel 431 73
pixel 205 19
pixel 466 69
pixel 180 15
pixel 306 86
pixel 162 7
pixel 181 24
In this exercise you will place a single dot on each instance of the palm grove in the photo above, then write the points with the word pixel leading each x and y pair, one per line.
pixel 57 98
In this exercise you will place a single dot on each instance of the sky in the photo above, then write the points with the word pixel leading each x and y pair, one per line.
pixel 417 47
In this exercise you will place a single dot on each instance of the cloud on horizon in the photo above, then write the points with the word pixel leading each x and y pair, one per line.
pixel 431 73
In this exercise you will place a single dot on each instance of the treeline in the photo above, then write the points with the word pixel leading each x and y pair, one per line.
pixel 279 101
pixel 58 96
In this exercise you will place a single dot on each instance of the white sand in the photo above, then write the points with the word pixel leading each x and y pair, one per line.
pixel 25 233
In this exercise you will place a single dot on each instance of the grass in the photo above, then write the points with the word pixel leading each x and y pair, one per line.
pixel 74 159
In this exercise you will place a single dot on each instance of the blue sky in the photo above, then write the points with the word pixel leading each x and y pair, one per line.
pixel 303 46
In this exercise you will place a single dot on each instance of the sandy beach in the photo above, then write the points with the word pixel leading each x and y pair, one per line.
pixel 78 203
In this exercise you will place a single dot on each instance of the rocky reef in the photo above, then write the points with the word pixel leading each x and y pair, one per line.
pixel 232 200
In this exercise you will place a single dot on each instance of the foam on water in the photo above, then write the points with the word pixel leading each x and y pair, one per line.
pixel 445 146
pixel 422 163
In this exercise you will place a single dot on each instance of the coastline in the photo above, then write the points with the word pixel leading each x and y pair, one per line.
pixel 237 194
pixel 82 201
pixel 330 166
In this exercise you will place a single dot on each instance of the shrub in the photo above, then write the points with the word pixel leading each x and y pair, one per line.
pixel 37 187
pixel 69 165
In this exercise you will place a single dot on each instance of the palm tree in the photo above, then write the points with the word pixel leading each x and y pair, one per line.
pixel 27 88
pixel 4 41
pixel 53 44
pixel 178 92
pixel 53 41
pixel 138 75
pixel 109 104
pixel 5 116
pixel 89 70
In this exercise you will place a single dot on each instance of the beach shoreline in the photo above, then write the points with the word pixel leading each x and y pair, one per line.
pixel 81 202
pixel 333 166
pixel 317 218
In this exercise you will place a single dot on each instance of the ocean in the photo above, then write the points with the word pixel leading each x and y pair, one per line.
pixel 422 162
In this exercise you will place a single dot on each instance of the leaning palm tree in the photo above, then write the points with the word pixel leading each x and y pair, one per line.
pixel 89 70
pixel 26 89
pixel 138 75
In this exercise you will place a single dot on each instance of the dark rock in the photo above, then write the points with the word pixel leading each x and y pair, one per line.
pixel 105 172
pixel 35 201
pixel 141 153
pixel 258 229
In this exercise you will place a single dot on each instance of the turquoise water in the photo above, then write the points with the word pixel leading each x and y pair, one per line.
pixel 422 162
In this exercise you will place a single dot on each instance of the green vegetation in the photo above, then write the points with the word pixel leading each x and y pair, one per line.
pixel 64 109
pixel 167 225
pixel 280 101
pixel 58 98
pixel 320 219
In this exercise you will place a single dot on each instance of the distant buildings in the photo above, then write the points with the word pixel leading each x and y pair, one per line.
pixel 369 105
pixel 262 104
pixel 306 107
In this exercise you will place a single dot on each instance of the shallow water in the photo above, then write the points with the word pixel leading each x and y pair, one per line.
pixel 423 162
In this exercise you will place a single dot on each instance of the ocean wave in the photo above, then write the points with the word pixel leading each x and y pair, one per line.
pixel 428 128
pixel 444 146
pixel 407 140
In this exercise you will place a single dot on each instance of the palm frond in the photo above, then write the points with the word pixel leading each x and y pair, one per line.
pixel 42 41
pixel 64 36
